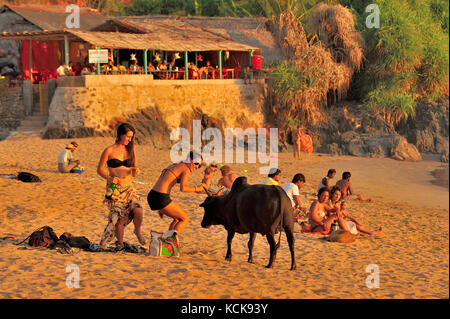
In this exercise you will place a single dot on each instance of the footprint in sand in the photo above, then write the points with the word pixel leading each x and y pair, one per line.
pixel 176 271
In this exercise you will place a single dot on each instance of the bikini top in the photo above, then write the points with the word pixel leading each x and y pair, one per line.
pixel 168 169
pixel 114 162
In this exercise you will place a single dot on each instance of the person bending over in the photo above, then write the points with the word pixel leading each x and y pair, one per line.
pixel 159 196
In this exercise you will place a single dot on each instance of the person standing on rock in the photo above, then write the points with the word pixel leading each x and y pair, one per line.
pixel 297 141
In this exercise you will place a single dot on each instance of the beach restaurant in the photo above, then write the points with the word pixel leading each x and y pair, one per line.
pixel 177 54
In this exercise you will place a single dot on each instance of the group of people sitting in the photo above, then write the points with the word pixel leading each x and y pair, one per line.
pixel 326 209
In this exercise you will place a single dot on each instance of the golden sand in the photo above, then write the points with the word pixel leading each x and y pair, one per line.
pixel 412 255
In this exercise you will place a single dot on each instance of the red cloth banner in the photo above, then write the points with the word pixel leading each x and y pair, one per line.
pixel 44 62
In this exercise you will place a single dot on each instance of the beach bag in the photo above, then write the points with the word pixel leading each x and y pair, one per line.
pixel 28 177
pixel 43 237
pixel 341 236
pixel 164 244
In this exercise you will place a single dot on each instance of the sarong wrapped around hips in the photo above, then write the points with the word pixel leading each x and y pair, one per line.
pixel 121 202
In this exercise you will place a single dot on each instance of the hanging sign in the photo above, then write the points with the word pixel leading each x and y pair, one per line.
pixel 98 56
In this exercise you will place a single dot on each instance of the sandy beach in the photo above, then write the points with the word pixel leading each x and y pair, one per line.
pixel 409 201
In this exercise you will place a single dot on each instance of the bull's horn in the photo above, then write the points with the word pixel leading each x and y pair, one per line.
pixel 207 191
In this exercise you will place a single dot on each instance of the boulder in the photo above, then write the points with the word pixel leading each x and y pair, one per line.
pixel 404 151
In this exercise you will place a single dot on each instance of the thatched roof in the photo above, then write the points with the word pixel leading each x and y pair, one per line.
pixel 120 40
pixel 247 31
pixel 53 18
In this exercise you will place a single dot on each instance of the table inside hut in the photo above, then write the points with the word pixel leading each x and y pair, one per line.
pixel 226 73
pixel 168 74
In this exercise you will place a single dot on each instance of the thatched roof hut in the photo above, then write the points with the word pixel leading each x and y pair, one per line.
pixel 251 32
pixel 50 18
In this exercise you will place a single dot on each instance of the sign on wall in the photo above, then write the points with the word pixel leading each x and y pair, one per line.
pixel 98 56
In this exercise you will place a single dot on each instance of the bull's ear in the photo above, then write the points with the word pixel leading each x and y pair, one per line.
pixel 202 204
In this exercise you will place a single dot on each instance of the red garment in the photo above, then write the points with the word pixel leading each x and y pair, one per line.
pixel 77 70
pixel 306 143
pixel 43 59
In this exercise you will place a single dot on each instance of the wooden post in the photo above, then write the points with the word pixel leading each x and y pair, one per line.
pixel 145 61
pixel 251 55
pixel 66 50
pixel 98 64
pixel 220 64
pixel 186 70
pixel 30 60
pixel 196 58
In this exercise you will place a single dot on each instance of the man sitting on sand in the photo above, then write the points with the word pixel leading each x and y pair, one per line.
pixel 227 179
pixel 292 189
pixel 66 163
pixel 347 189
pixel 325 182
pixel 273 178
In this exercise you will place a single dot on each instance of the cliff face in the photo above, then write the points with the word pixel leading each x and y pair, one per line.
pixel 95 104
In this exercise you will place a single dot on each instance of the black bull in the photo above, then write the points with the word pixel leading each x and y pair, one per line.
pixel 252 209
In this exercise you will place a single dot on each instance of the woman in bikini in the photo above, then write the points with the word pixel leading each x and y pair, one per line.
pixel 159 197
pixel 347 225
pixel 321 215
pixel 121 197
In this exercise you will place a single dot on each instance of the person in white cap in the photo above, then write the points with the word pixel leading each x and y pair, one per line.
pixel 273 178
pixel 66 162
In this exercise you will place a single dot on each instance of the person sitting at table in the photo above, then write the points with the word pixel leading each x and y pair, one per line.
pixel 163 65
pixel 247 75
pixel 76 68
pixel 193 71
pixel 134 68
pixel 208 70
pixel 156 60
pixel 86 71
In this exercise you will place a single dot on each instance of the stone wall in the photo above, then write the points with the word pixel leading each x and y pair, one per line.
pixel 11 108
pixel 10 50
pixel 94 104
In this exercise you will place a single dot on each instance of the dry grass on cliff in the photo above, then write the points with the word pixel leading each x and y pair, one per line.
pixel 324 64
pixel 335 25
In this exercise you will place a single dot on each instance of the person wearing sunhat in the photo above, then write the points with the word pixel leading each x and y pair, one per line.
pixel 66 162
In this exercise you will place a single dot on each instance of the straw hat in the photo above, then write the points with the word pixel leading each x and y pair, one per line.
pixel 72 146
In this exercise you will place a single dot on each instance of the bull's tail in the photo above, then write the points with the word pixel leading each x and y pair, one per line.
pixel 280 225
pixel 279 240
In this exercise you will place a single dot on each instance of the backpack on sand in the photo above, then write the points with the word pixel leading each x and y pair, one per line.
pixel 42 237
pixel 28 177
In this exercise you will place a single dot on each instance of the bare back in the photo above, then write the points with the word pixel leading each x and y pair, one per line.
pixel 170 176
pixel 345 187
